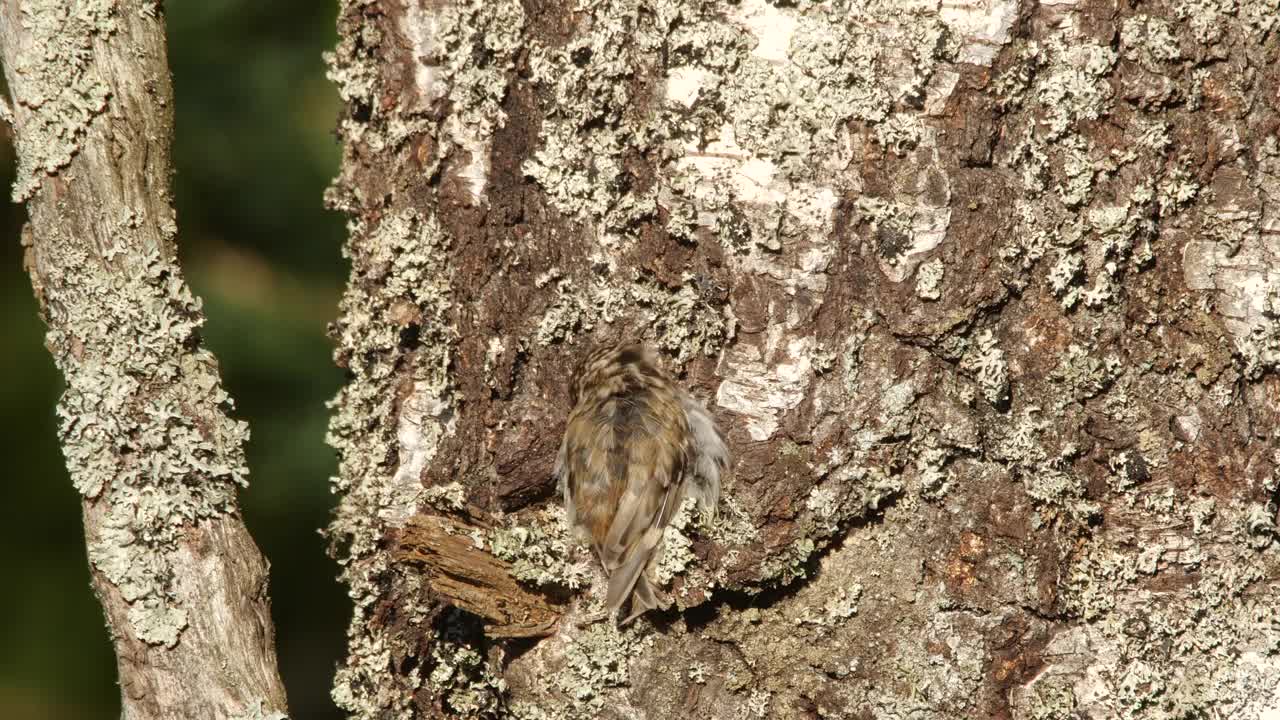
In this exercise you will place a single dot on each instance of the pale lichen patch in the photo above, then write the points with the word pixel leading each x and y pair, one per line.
pixel 1145 650
pixel 987 362
pixel 543 551
pixel 682 322
pixel 588 127
pixel 1149 40
pixel 929 280
pixel 677 548
pixel 583 670
pixel 58 87
pixel 149 399
pixel 478 41
pixel 462 678
pixel 401 283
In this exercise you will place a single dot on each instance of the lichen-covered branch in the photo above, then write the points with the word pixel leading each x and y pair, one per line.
pixel 145 424
pixel 985 292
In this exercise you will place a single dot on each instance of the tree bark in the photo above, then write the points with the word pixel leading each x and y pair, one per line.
pixel 986 294
pixel 145 423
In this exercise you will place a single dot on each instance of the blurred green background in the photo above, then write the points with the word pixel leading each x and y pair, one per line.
pixel 254 150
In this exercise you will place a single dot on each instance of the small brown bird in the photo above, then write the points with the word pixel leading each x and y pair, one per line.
pixel 636 445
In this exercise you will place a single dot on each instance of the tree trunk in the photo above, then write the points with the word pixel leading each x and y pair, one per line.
pixel 145 425
pixel 985 294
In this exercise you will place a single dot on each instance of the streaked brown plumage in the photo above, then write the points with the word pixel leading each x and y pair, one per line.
pixel 636 445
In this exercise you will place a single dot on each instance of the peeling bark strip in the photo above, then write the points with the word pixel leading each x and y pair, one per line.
pixel 984 292
pixel 461 573
pixel 145 425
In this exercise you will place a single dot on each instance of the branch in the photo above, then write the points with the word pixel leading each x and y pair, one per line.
pixel 144 425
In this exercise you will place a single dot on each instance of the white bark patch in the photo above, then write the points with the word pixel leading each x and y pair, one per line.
pixel 761 391
pixel 445 40
pixel 1240 261
pixel 476 171
pixel 1242 280
pixel 752 181
pixel 928 229
pixel 724 160
pixel 425 419
pixel 939 91
pixel 983 25
pixel 422 29
pixel 684 84
pixel 771 26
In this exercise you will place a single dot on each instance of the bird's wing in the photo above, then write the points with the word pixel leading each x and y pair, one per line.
pixel 654 472
pixel 586 477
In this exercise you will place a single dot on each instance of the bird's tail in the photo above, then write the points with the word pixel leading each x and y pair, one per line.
pixel 631 579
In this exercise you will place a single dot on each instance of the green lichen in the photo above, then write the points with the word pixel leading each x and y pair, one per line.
pixel 450 498
pixel 682 321
pixel 727 94
pixel 570 313
pixel 1045 472
pixel 57 88
pixel 400 279
pixel 935 479
pixel 842 605
pixel 758 702
pixel 477 42
pixel 1113 234
pixel 1050 701
pixel 1085 375
pixel 1097 578
pixel 595 660
pixel 543 552
pixel 1149 40
pixel 143 424
pixel 733 525
pixel 589 123
pixel 987 363
pixel 677 549
pixel 1158 654
pixel 1212 21
pixel 462 679
pixel 1072 86
pixel 1059 84
pixel 929 280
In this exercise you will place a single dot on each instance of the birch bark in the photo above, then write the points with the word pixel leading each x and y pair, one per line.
pixel 986 293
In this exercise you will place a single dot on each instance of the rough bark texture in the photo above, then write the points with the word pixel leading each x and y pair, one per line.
pixel 460 569
pixel 986 294
pixel 145 425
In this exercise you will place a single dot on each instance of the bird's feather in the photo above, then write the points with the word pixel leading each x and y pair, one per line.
pixel 635 446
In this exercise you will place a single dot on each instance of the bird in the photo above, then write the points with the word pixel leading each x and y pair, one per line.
pixel 635 446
